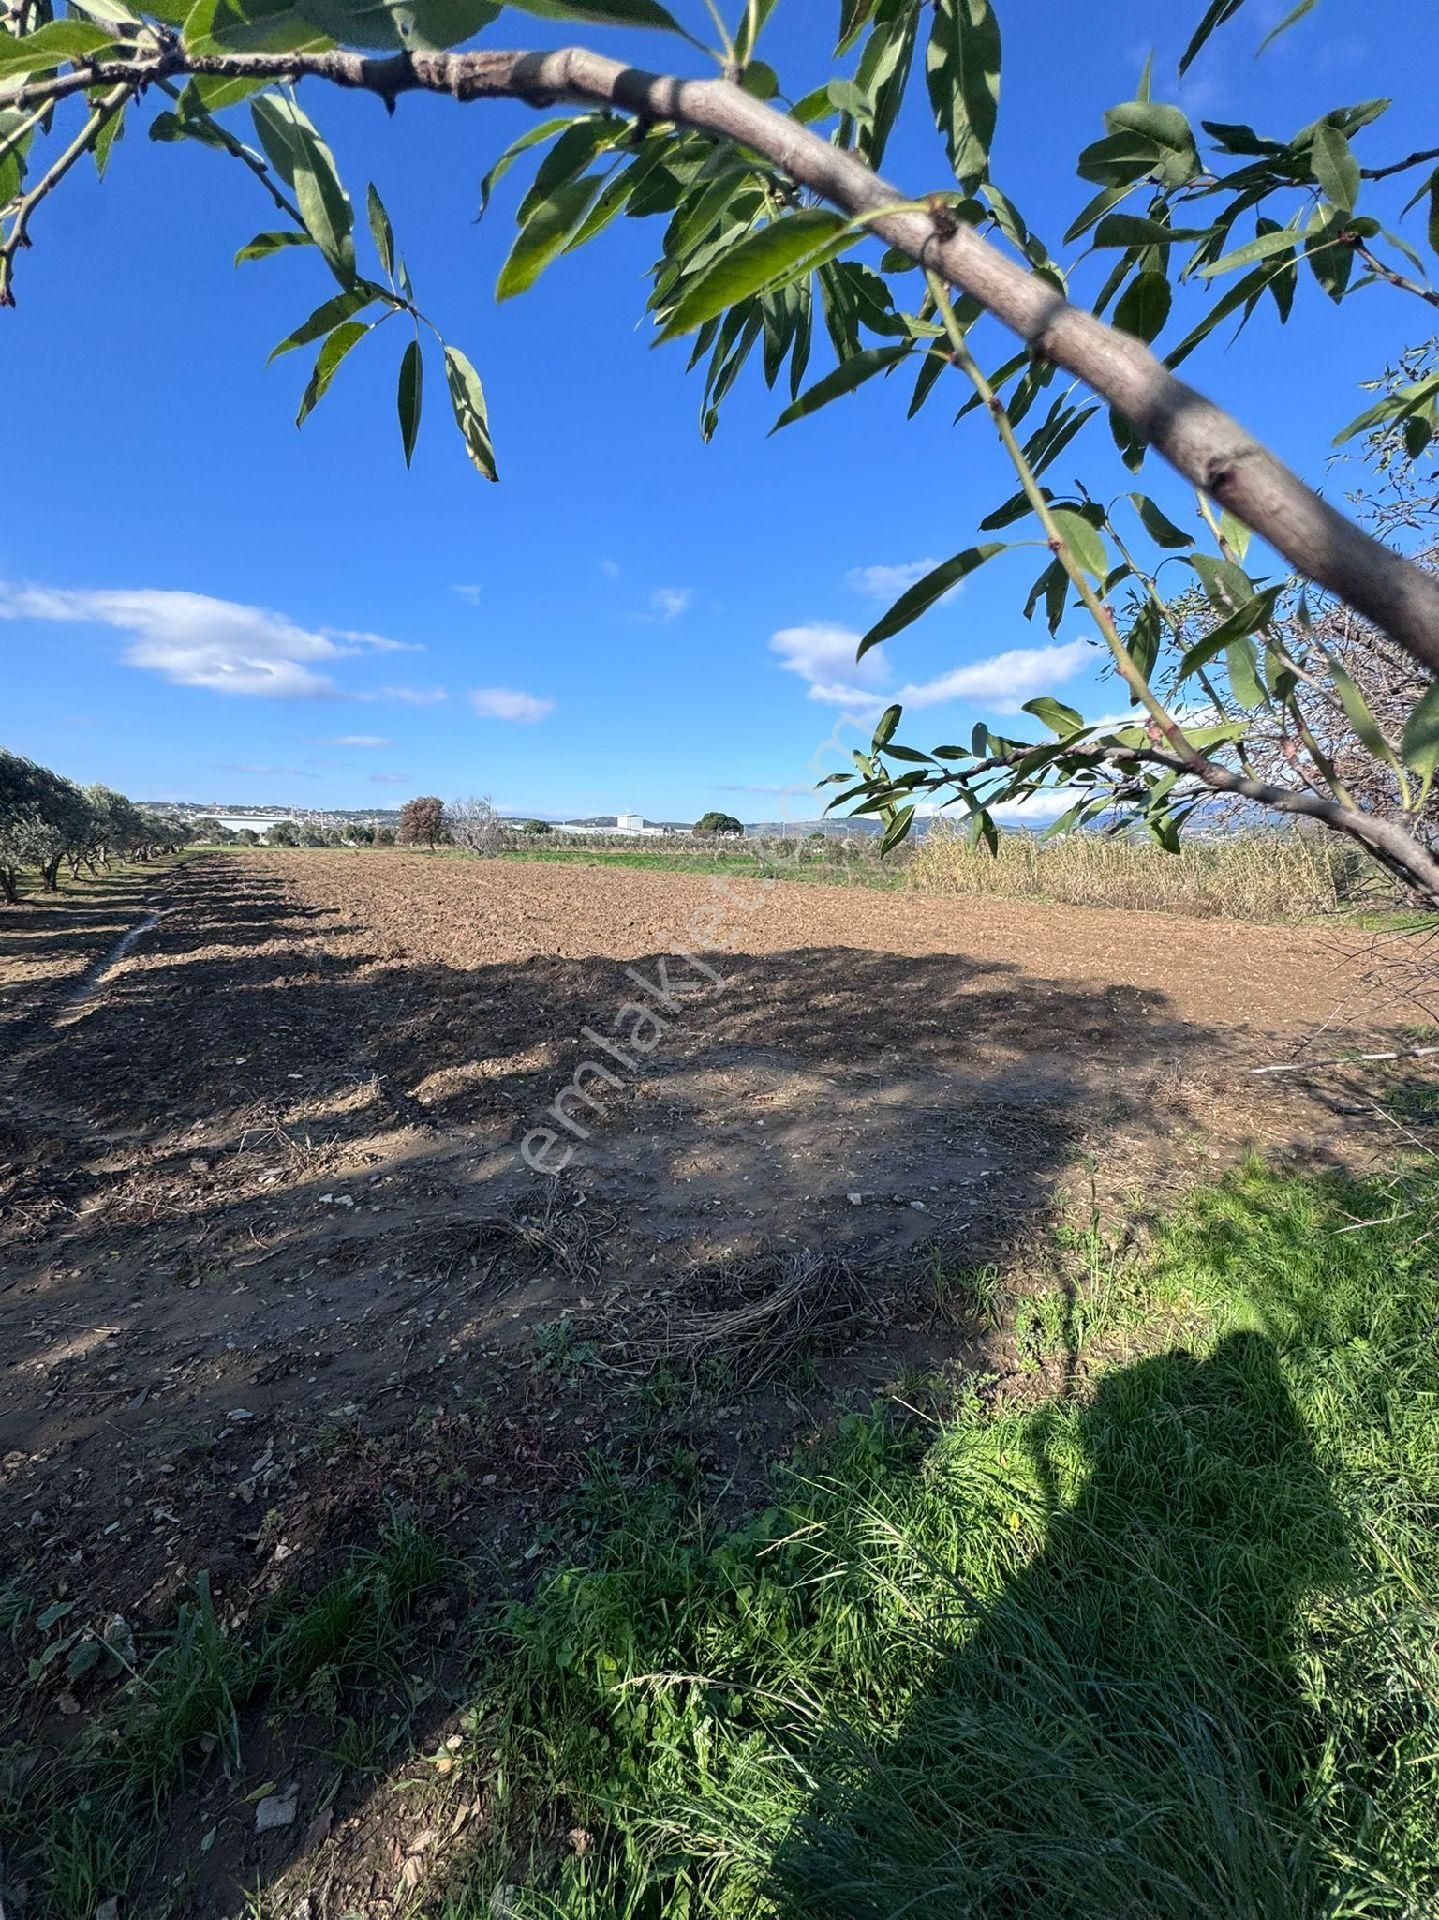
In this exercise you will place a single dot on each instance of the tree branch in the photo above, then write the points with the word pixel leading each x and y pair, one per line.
pixel 1196 437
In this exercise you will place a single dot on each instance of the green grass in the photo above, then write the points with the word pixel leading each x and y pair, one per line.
pixel 87 1824
pixel 1165 1645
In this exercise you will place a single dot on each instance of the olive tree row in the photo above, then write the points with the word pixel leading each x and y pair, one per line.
pixel 46 819
pixel 779 232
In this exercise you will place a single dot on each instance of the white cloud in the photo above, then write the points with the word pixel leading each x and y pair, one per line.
pixel 668 603
pixel 195 640
pixel 358 740
pixel 407 696
pixel 888 583
pixel 1003 683
pixel 506 703
pixel 390 779
pixel 470 594
pixel 821 652
pixel 1038 809
pixel 610 569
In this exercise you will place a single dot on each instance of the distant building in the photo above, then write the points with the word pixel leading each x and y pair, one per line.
pixel 629 823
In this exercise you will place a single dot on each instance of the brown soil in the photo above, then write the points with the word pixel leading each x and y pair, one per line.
pixel 273 1259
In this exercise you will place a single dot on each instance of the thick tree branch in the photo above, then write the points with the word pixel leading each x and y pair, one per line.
pixel 1197 438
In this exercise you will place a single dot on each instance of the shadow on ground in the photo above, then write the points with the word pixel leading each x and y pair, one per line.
pixel 273 1262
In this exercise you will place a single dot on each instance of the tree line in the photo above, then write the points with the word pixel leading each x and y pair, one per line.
pixel 46 821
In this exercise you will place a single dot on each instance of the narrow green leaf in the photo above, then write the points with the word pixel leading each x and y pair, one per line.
pixel 401 26
pixel 296 149
pixel 1335 167
pixel 1160 528
pixel 265 244
pixel 962 67
pixel 50 45
pixel 1053 714
pixel 1082 540
pixel 607 13
pixel 1361 715
pixel 467 398
pixel 1294 14
pixel 923 594
pixel 1215 16
pixel 544 235
pixel 328 316
pixel 327 363
pixel 1284 239
pixel 1421 735
pixel 843 379
pixel 1144 306
pixel 765 258
pixel 381 232
pixel 1254 614
pixel 409 397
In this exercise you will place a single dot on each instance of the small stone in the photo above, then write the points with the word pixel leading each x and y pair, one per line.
pixel 276 1810
pixel 108 1909
pixel 856 1199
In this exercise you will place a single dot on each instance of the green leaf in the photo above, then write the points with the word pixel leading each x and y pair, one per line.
pixel 1294 14
pixel 531 137
pixel 294 145
pixel 409 397
pixel 1058 718
pixel 467 397
pixel 1082 540
pixel 401 26
pixel 544 235
pixel 1215 16
pixel 327 363
pixel 1137 230
pixel 1144 306
pixel 1434 210
pixel 327 317
pixel 923 594
pixel 1283 239
pixel 1421 735
pixel 606 13
pixel 843 379
pixel 1361 716
pixel 50 45
pixel 962 68
pixel 1160 528
pixel 1254 614
pixel 265 244
pixel 1335 167
pixel 765 258
pixel 1244 681
pixel 884 732
pixel 381 232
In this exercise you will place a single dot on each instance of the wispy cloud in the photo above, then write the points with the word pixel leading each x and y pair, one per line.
pixel 357 740
pixel 390 779
pixel 406 696
pixel 508 703
pixel 741 786
pixel 823 654
pixel 668 603
pixel 610 569
pixel 888 583
pixel 469 593
pixel 195 640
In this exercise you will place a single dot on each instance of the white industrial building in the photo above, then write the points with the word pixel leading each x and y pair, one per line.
pixel 631 825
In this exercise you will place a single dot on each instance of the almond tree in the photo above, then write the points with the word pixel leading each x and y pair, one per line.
pixel 776 218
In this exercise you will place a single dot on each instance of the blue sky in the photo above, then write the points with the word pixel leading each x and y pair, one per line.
pixel 632 619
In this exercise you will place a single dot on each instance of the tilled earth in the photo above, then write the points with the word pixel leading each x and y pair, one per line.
pixel 274 1258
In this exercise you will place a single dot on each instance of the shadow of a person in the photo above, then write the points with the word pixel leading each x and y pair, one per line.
pixel 1121 1731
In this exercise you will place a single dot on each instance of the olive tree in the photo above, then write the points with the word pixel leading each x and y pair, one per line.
pixel 780 234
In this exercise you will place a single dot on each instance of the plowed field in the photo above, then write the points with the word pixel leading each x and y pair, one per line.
pixel 276 1252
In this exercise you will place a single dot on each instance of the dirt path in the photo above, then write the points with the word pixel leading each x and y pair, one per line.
pixel 272 1256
